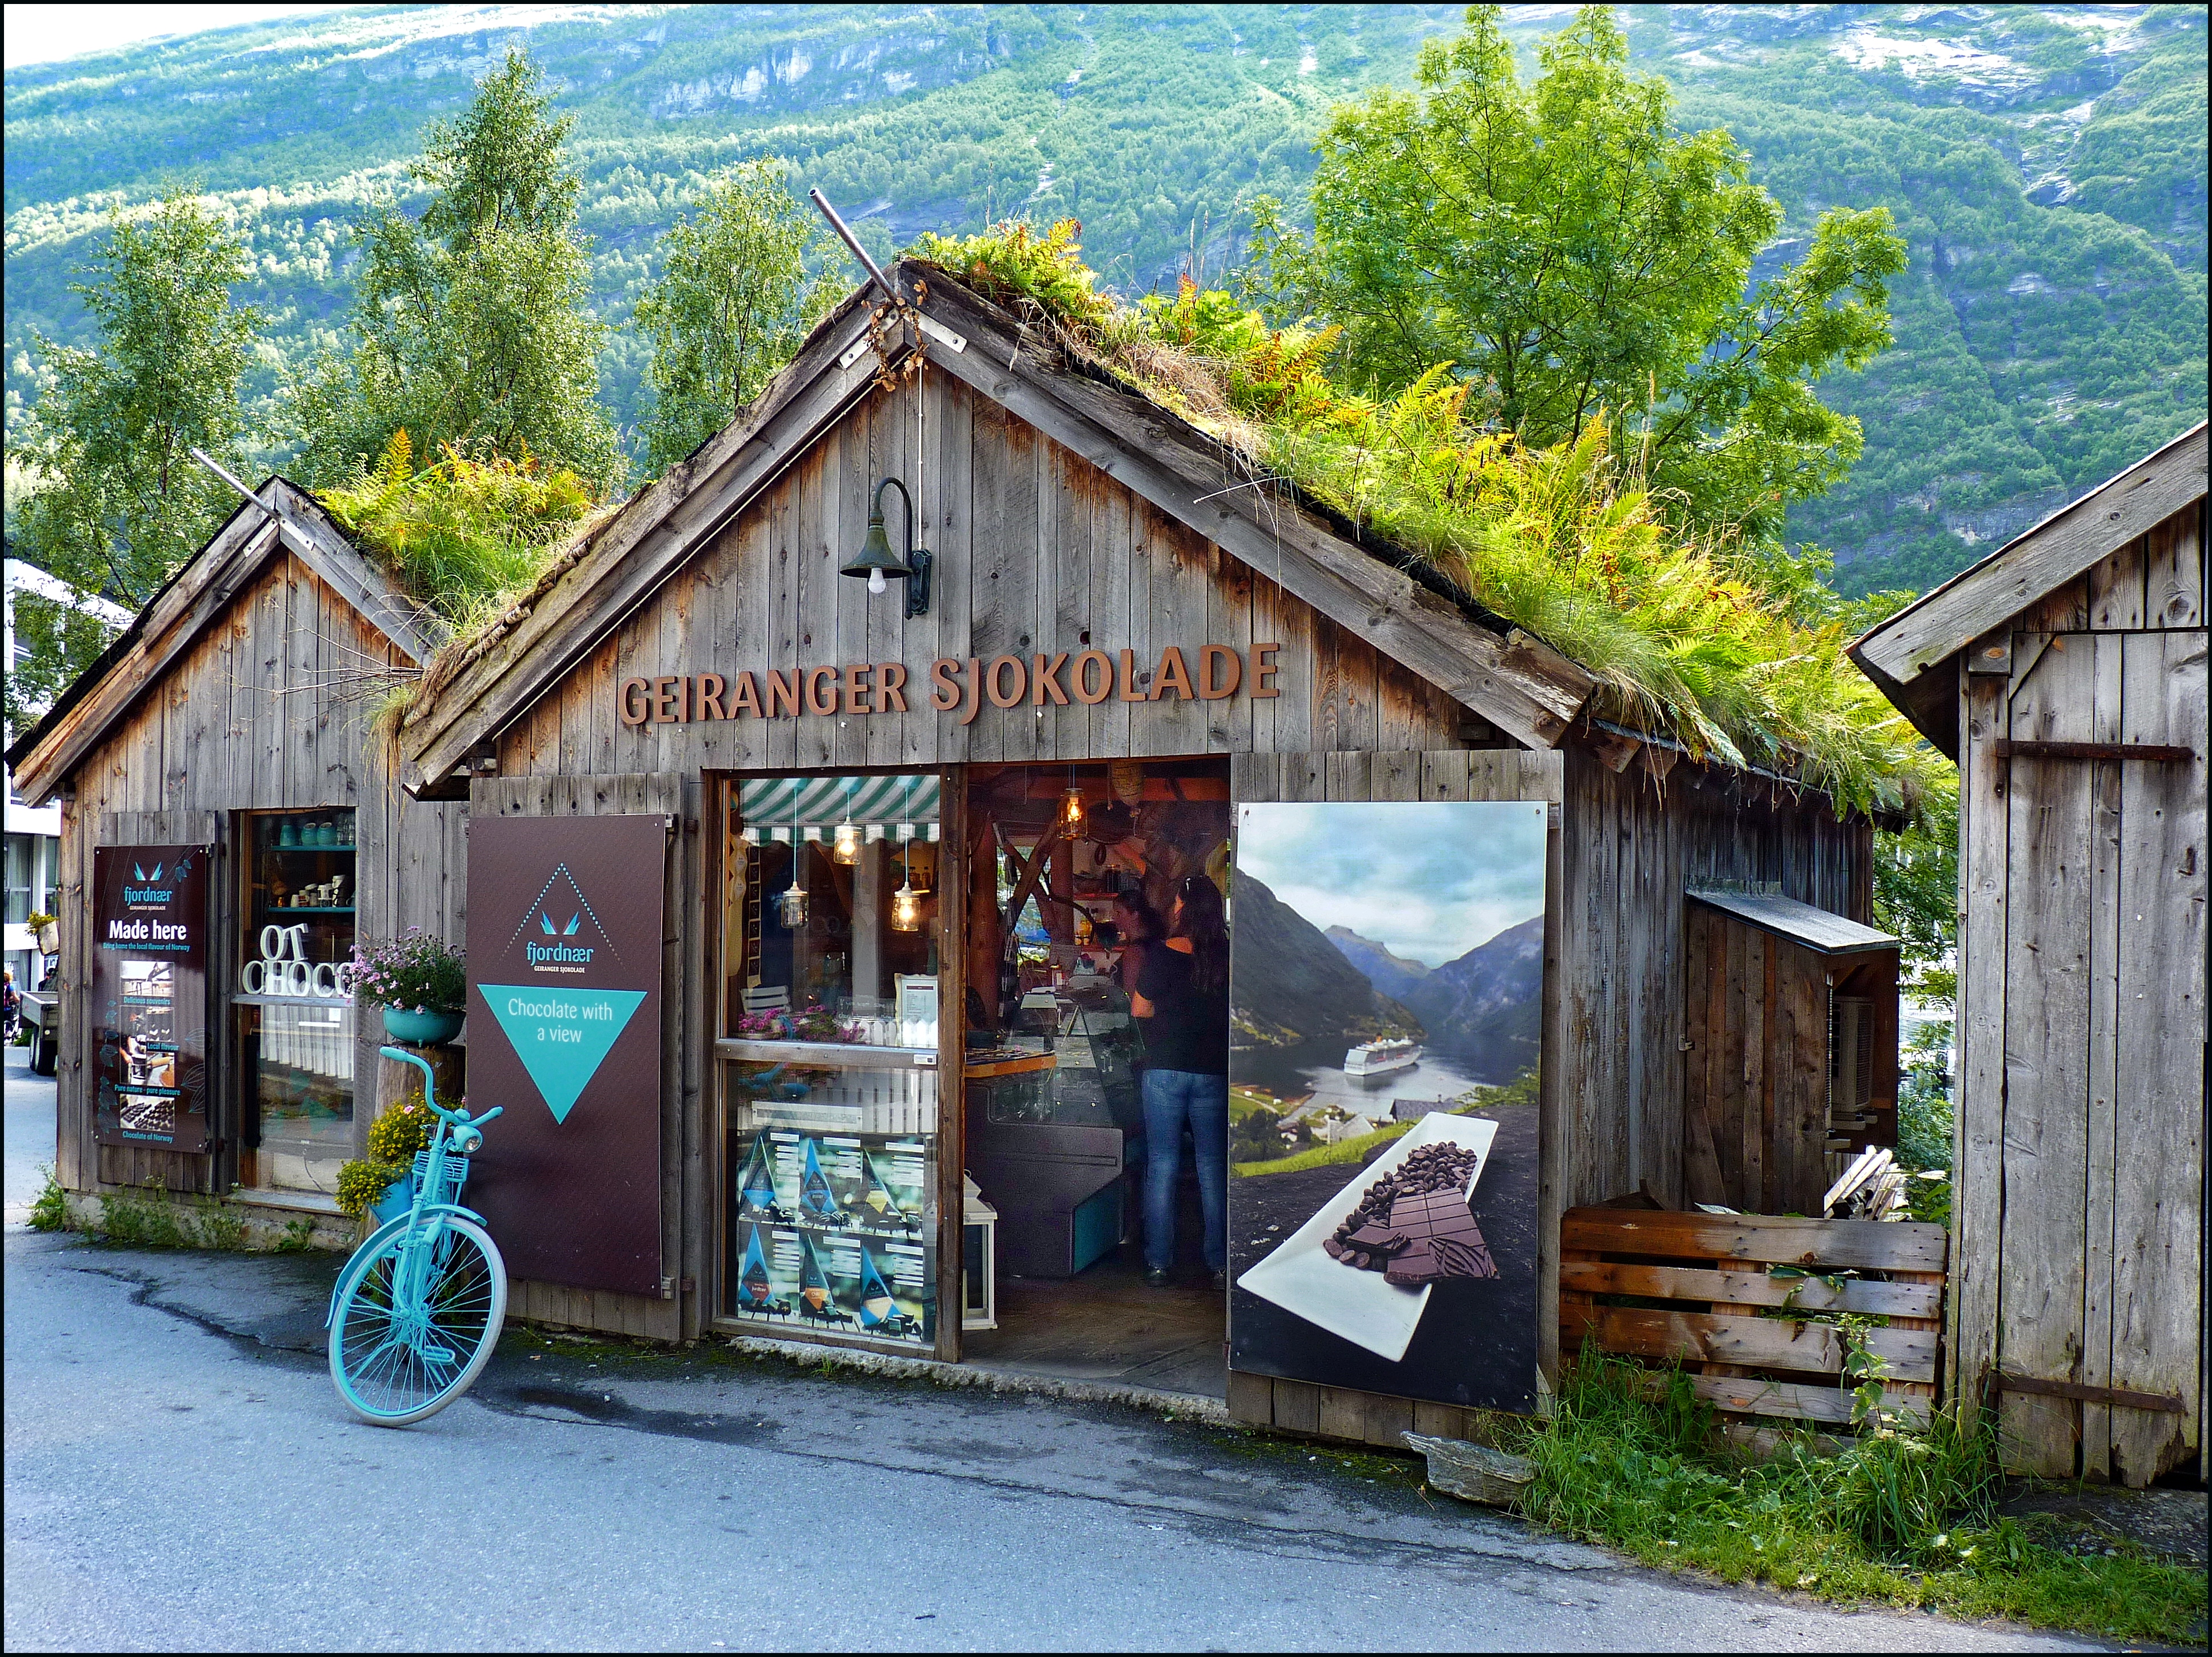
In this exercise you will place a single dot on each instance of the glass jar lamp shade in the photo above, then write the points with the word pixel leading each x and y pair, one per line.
pixel 1071 808
pixel 906 910
pixel 791 906
pixel 845 846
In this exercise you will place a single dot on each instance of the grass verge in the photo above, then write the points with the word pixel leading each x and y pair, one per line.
pixel 1902 1518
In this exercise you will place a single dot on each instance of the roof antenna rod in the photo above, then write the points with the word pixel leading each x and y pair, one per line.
pixel 252 498
pixel 874 270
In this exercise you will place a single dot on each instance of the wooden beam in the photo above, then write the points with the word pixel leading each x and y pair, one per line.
pixel 2151 753
pixel 2118 1397
pixel 1694 1284
pixel 1751 1342
pixel 1834 1245
pixel 2058 549
pixel 1518 682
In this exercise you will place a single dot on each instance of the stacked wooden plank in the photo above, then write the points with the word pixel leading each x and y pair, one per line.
pixel 1701 1290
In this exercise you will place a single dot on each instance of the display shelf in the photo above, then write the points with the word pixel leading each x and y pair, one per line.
pixel 826 1055
pixel 303 909
pixel 289 851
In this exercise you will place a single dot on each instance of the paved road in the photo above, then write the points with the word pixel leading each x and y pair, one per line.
pixel 178 1475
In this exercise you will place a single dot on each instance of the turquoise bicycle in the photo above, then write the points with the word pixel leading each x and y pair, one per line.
pixel 418 1308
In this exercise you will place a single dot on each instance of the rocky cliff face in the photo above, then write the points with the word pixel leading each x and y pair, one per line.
pixel 1393 975
pixel 1290 987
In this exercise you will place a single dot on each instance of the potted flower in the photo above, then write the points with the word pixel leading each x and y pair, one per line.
pixel 378 1185
pixel 421 983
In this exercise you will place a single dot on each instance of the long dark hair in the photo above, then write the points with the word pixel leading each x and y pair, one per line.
pixel 1149 923
pixel 1202 922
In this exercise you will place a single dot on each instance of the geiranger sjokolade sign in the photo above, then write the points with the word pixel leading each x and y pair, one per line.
pixel 1057 678
pixel 564 998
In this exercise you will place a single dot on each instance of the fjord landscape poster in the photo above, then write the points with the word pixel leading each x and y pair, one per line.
pixel 1386 991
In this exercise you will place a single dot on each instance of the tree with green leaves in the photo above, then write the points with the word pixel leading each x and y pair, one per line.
pixel 472 325
pixel 1574 256
pixel 112 501
pixel 732 302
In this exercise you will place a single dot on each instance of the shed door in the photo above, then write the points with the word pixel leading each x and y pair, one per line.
pixel 2102 1124
pixel 1392 990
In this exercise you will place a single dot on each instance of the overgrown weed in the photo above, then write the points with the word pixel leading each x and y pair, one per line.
pixel 1689 636
pixel 1905 1516
pixel 50 1208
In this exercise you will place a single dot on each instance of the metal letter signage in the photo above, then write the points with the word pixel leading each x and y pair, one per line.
pixel 564 998
pixel 149 996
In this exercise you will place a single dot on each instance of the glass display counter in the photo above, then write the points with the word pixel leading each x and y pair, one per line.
pixel 1055 1119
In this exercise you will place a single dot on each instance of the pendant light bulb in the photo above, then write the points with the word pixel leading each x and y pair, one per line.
pixel 876 582
pixel 906 908
pixel 1071 808
pixel 845 847
pixel 790 907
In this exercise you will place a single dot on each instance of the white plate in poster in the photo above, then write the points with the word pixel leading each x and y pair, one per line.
pixel 1299 1276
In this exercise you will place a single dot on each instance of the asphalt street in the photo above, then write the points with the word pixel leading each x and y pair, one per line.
pixel 179 1475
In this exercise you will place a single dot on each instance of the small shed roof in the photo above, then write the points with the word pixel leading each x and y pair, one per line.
pixel 1815 929
pixel 282 517
pixel 1910 657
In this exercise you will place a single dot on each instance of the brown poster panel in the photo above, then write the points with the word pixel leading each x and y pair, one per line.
pixel 564 1032
pixel 1387 981
pixel 150 995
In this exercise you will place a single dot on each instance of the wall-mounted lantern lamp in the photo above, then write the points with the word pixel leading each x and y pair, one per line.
pixel 878 563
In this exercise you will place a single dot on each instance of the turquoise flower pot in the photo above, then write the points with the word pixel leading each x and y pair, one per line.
pixel 420 1029
pixel 399 1197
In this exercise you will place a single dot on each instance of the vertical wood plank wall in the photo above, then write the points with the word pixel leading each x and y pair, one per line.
pixel 688 1229
pixel 1039 551
pixel 256 716
pixel 2080 1111
pixel 1633 843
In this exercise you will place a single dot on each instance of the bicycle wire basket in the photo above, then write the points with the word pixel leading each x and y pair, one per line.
pixel 454 1174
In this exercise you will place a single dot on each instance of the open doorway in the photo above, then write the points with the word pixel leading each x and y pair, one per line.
pixel 1073 874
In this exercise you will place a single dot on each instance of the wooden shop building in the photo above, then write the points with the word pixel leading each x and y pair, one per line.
pixel 2065 673
pixel 230 723
pixel 908 811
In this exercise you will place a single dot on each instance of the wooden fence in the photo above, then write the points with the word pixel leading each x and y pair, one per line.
pixel 1701 1289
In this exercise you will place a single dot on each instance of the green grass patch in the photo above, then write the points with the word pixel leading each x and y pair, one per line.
pixel 50 1208
pixel 1901 1518
pixel 1348 1151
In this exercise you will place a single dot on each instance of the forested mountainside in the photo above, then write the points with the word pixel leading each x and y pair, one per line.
pixel 2047 164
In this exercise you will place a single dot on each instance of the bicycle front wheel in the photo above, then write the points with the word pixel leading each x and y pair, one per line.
pixel 398 1356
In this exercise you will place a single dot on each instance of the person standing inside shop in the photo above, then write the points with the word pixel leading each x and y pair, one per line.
pixel 1183 993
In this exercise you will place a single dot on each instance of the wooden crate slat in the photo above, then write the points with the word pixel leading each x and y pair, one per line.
pixel 1854 1245
pixel 1748 1395
pixel 1682 1283
pixel 1753 1342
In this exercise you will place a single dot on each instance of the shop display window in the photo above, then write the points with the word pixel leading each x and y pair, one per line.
pixel 830 1055
pixel 293 1002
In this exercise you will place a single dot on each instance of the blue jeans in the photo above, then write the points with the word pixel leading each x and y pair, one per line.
pixel 1173 1097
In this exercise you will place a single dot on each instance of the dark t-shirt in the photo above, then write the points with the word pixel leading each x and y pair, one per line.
pixel 1188 1030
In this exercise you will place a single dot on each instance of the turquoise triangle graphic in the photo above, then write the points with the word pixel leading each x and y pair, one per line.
pixel 561 1036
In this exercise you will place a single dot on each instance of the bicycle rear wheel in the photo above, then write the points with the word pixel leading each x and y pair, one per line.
pixel 395 1362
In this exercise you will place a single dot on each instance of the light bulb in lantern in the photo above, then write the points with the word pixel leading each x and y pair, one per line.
pixel 906 910
pixel 846 846
pixel 790 907
pixel 876 582
pixel 1071 807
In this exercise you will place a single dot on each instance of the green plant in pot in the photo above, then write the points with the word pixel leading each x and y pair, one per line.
pixel 378 1185
pixel 420 981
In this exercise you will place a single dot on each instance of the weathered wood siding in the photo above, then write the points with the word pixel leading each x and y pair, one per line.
pixel 1635 842
pixel 1037 551
pixel 689 1232
pixel 254 716
pixel 2081 1015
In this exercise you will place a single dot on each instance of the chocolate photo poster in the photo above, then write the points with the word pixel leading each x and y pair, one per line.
pixel 1387 990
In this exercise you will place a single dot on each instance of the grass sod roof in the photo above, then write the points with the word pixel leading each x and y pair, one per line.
pixel 1564 543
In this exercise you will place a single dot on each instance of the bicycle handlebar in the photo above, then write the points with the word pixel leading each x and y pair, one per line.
pixel 458 1119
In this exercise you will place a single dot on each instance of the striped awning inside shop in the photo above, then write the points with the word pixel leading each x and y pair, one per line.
pixel 884 808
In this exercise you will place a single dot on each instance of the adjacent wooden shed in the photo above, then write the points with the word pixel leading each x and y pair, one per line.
pixel 234 712
pixel 2066 674
pixel 1073 518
